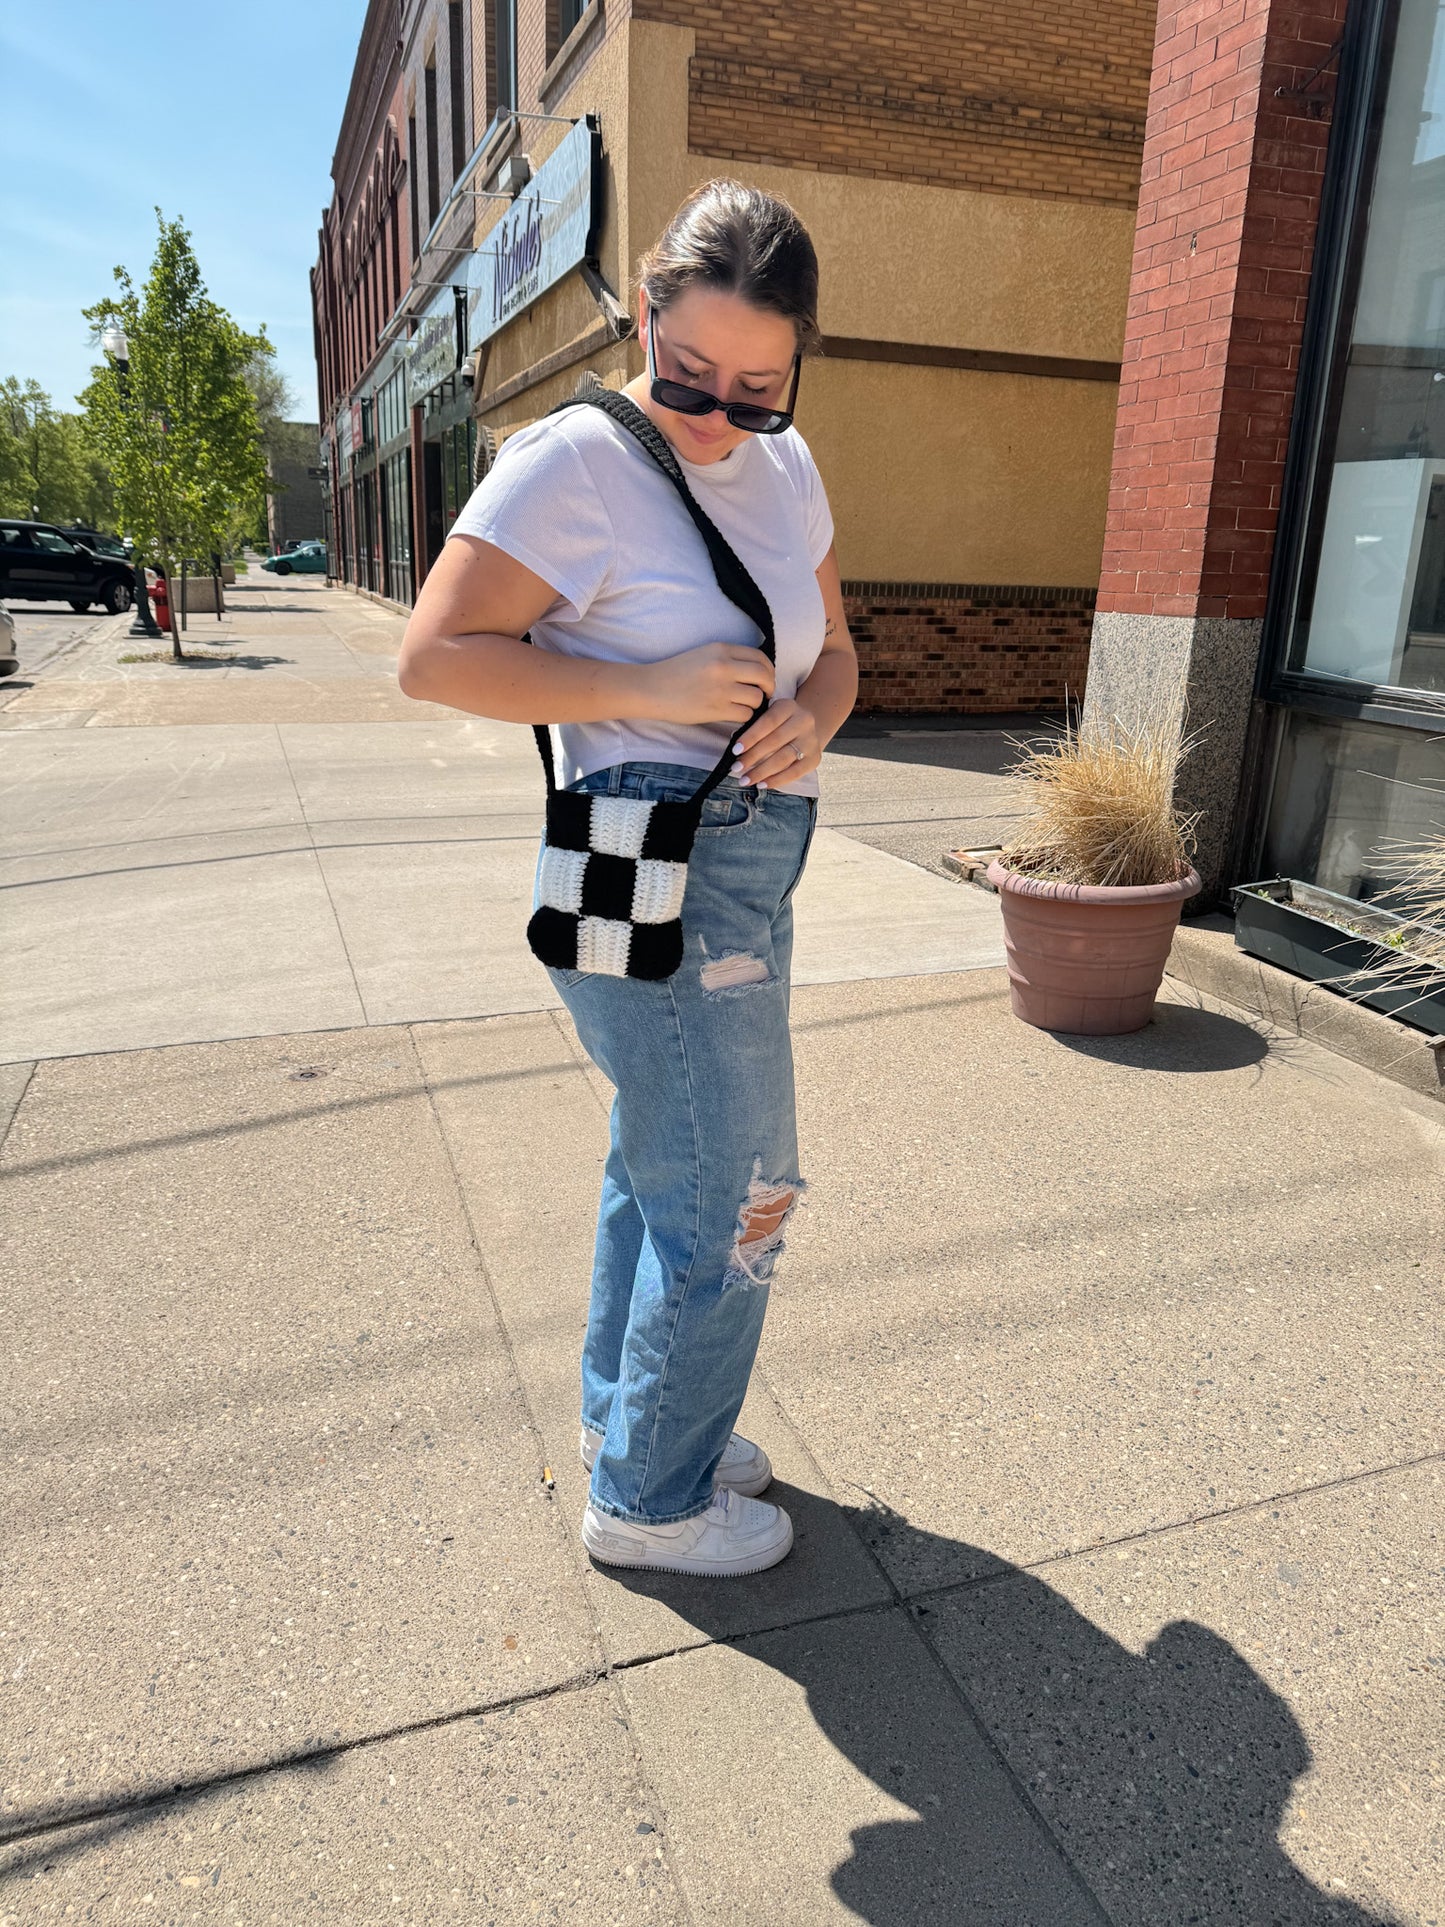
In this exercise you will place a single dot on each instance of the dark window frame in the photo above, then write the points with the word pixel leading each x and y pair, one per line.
pixel 413 184
pixel 456 84
pixel 502 45
pixel 433 161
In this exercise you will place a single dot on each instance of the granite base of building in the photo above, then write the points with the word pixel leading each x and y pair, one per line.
pixel 969 648
pixel 1198 673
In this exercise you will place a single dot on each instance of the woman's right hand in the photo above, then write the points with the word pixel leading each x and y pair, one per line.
pixel 722 682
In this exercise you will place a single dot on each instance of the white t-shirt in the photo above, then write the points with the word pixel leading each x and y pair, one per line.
pixel 581 503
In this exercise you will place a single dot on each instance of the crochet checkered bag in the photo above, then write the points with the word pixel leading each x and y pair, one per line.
pixel 614 868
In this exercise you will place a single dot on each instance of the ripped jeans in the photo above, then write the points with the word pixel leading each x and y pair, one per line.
pixel 703 1168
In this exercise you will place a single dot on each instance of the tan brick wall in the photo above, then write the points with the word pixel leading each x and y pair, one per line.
pixel 1038 97
pixel 968 648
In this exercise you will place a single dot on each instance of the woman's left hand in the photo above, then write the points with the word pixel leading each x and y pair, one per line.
pixel 779 747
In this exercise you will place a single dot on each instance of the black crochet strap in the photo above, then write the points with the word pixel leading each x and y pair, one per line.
pixel 732 577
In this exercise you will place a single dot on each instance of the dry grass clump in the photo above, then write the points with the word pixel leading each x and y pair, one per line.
pixel 1418 892
pixel 1100 806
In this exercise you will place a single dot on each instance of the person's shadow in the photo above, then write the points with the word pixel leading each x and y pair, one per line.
pixel 1162 1776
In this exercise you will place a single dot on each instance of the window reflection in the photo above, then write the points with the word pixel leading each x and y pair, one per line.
pixel 1345 793
pixel 1378 607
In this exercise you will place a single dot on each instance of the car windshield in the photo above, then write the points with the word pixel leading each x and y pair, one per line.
pixel 51 543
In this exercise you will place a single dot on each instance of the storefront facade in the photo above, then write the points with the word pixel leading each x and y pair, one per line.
pixel 973 204
pixel 1275 560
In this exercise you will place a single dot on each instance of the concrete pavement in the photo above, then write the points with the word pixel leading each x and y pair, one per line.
pixel 1101 1380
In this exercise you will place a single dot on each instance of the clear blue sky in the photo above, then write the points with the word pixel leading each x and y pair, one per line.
pixel 225 117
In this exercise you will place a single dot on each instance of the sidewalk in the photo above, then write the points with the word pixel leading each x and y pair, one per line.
pixel 1101 1381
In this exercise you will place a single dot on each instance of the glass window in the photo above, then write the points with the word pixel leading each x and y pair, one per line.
pixel 396 496
pixel 504 52
pixel 49 543
pixel 1344 793
pixel 571 12
pixel 1376 613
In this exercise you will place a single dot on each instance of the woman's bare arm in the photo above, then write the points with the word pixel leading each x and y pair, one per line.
pixel 463 647
pixel 768 752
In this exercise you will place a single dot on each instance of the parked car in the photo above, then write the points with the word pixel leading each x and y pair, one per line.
pixel 9 661
pixel 93 540
pixel 39 563
pixel 309 558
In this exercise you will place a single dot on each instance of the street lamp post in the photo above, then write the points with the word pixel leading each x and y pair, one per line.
pixel 113 341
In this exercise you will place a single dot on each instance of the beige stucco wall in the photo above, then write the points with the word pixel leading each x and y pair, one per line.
pixel 943 475
pixel 937 475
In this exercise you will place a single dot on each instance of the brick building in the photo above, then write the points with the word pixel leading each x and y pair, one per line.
pixel 1274 559
pixel 360 283
pixel 969 175
pixel 295 499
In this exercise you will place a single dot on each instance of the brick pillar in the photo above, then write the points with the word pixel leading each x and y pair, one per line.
pixel 1228 208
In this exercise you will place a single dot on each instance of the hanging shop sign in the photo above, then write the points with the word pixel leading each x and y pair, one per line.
pixel 437 347
pixel 549 229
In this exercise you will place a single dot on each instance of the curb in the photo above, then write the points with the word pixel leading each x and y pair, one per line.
pixel 1205 958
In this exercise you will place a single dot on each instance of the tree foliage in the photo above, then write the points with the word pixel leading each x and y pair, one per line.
pixel 179 430
pixel 49 467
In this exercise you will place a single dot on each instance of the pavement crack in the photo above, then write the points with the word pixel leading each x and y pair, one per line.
pixel 43 1824
pixel 325 880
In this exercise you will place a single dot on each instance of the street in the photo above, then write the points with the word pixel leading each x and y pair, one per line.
pixel 50 632
pixel 1097 1377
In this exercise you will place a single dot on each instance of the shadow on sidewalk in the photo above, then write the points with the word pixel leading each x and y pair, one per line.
pixel 1163 1775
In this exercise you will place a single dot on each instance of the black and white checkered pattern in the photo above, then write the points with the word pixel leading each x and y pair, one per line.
pixel 610 891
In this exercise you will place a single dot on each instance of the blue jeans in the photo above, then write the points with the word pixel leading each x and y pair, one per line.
pixel 704 1160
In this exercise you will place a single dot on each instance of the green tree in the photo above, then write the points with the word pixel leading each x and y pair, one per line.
pixel 49 467
pixel 179 429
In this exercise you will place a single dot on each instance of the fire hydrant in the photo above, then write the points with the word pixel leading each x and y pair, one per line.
pixel 161 602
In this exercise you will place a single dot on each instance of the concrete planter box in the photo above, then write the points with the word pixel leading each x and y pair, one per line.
pixel 1317 934
pixel 197 596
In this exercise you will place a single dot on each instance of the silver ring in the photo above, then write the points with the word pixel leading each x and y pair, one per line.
pixel 798 752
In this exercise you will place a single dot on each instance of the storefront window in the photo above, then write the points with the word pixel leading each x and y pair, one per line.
pixel 396 501
pixel 457 445
pixel 1376 614
pixel 391 410
pixel 1345 794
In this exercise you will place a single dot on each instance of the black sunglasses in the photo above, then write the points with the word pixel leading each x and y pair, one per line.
pixel 685 400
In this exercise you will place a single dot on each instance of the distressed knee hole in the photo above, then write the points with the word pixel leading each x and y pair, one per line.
pixel 762 1221
pixel 734 972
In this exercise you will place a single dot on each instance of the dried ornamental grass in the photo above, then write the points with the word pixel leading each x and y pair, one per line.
pixel 1417 892
pixel 1100 806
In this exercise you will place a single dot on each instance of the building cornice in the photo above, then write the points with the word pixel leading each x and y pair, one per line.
pixel 373 81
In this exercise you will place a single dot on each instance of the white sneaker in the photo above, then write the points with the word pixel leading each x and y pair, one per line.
pixel 744 1467
pixel 736 1535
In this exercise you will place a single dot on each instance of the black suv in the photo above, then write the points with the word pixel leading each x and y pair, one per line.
pixel 39 563
pixel 93 539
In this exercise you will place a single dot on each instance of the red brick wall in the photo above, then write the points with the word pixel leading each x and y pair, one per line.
pixel 1229 201
pixel 968 648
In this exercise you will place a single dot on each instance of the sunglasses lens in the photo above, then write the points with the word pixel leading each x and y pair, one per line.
pixel 684 400
pixel 757 421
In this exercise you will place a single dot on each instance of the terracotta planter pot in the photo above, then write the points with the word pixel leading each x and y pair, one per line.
pixel 1086 958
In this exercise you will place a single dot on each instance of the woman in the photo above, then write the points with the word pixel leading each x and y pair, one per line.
pixel 577 536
